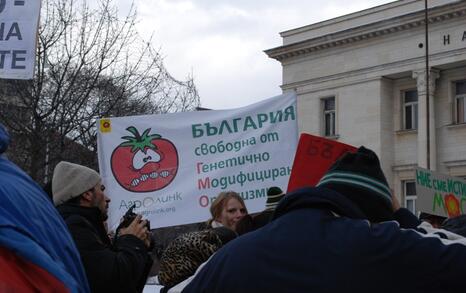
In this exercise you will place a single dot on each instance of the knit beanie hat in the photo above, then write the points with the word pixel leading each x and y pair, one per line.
pixel 359 177
pixel 274 195
pixel 70 180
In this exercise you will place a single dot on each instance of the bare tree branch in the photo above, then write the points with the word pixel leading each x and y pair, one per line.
pixel 90 64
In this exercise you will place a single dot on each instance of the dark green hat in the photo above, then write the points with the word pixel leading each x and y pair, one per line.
pixel 274 195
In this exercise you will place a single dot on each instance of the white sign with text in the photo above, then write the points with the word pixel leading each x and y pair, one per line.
pixel 18 36
pixel 172 166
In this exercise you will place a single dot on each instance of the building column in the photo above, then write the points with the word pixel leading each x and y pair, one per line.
pixel 420 76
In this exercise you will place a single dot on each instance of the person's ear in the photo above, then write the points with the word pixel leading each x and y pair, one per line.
pixel 87 196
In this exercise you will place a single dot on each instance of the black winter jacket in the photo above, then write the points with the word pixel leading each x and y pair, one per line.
pixel 121 267
pixel 320 242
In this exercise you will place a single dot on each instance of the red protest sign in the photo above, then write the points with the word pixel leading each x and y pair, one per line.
pixel 313 157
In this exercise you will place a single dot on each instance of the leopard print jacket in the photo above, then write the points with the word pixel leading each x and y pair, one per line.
pixel 184 255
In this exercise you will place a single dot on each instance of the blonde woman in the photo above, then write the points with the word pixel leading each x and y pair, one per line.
pixel 226 210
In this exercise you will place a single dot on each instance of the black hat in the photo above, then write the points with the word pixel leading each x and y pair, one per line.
pixel 456 225
pixel 274 195
pixel 359 177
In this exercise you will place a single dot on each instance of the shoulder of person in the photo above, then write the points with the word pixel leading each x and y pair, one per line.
pixel 78 220
pixel 406 219
pixel 447 237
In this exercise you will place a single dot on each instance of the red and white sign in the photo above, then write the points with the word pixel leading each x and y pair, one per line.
pixel 172 166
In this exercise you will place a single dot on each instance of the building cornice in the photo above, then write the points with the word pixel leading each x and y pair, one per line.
pixel 455 163
pixel 369 31
pixel 404 167
pixel 368 74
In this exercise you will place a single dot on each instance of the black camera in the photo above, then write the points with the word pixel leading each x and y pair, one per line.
pixel 128 218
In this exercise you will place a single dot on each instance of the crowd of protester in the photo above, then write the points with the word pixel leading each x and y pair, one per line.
pixel 348 233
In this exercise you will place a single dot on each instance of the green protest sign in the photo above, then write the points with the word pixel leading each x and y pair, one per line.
pixel 439 194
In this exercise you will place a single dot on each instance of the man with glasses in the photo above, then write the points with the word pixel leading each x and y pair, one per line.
pixel 121 266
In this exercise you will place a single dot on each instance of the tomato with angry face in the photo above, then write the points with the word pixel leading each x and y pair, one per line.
pixel 144 163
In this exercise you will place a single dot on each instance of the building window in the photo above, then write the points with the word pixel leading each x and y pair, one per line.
pixel 410 105
pixel 329 116
pixel 460 101
pixel 409 192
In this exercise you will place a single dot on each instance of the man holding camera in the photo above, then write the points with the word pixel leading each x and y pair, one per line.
pixel 121 266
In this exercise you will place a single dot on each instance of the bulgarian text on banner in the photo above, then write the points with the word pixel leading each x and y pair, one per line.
pixel 172 166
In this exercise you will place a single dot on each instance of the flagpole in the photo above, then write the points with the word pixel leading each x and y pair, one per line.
pixel 427 82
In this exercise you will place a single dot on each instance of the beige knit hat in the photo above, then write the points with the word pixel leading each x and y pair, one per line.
pixel 70 180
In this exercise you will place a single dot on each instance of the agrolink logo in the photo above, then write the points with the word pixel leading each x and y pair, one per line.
pixel 144 163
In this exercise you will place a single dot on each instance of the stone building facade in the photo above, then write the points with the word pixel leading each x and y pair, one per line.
pixel 361 79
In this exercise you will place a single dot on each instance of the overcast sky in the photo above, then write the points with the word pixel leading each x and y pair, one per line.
pixel 221 42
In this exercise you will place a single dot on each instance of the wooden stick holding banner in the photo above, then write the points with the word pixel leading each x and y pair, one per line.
pixel 313 158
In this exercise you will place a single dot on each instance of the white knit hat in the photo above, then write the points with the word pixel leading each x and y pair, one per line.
pixel 70 180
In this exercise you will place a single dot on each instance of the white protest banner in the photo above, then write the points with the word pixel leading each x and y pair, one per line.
pixel 439 194
pixel 18 34
pixel 172 166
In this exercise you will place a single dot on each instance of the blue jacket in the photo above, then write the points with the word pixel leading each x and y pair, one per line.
pixel 31 228
pixel 320 242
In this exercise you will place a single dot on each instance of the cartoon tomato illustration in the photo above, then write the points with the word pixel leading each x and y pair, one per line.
pixel 144 162
pixel 453 205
